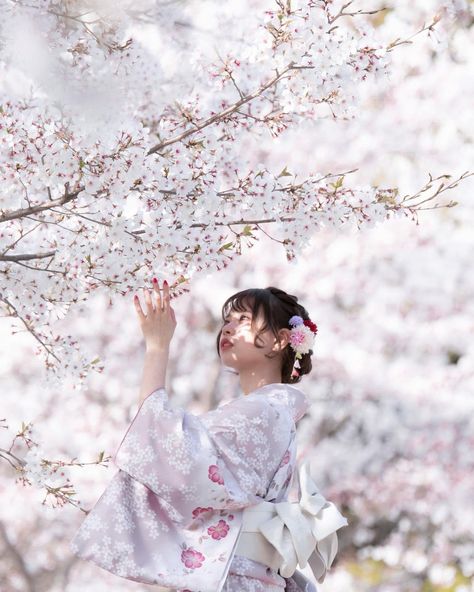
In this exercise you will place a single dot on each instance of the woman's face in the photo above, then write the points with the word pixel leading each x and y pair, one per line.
pixel 236 345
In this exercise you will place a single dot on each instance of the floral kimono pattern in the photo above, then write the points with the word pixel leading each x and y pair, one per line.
pixel 172 514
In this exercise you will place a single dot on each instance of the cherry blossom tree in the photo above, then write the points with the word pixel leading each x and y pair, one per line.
pixel 124 141
pixel 390 430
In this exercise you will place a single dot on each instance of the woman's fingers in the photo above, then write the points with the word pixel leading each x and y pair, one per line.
pixel 162 296
pixel 156 289
pixel 148 301
pixel 159 322
pixel 162 300
pixel 138 308
pixel 166 295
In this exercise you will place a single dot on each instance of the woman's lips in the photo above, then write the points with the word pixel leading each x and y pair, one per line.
pixel 226 345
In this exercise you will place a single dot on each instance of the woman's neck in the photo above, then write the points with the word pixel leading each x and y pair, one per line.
pixel 251 380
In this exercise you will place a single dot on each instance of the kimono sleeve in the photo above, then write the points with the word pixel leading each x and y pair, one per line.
pixel 224 459
pixel 172 514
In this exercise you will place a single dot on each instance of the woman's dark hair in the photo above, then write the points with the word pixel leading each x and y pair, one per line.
pixel 278 307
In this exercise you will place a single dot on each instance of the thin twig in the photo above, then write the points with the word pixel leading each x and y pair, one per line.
pixel 30 329
pixel 223 114
pixel 357 13
pixel 399 41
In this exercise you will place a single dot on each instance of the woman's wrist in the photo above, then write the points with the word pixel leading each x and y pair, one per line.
pixel 155 348
pixel 154 370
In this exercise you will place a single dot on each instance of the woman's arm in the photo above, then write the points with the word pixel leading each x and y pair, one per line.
pixel 158 326
pixel 154 372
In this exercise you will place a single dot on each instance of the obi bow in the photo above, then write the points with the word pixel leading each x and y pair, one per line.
pixel 300 533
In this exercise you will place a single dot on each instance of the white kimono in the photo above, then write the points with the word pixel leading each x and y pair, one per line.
pixel 172 515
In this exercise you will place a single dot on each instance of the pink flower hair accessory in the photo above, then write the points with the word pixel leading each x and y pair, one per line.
pixel 302 336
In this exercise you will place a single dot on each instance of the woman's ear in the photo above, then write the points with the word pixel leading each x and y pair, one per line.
pixel 283 339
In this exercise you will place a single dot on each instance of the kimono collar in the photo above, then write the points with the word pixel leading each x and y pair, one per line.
pixel 288 394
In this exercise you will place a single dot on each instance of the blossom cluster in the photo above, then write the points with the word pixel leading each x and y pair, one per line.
pixel 116 164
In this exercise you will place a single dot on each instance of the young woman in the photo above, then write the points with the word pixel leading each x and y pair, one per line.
pixel 202 503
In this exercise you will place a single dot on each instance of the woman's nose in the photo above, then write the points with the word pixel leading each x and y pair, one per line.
pixel 229 328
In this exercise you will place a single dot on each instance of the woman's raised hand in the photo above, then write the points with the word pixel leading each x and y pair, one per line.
pixel 159 322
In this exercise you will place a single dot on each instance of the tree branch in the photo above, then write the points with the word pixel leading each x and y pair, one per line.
pixel 399 41
pixel 30 329
pixel 357 13
pixel 222 114
pixel 11 458
pixel 22 213
pixel 27 256
pixel 17 559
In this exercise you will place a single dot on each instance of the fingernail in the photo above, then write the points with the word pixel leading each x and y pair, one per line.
pixel 135 297
pixel 154 280
pixel 165 282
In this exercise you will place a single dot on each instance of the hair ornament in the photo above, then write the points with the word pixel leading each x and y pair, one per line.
pixel 302 336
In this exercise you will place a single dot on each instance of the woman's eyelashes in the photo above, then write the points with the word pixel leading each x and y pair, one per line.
pixel 241 318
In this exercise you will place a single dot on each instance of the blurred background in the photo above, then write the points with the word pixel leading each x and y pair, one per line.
pixel 390 430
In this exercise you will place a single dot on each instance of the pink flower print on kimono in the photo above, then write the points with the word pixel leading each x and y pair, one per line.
pixel 198 511
pixel 214 475
pixel 219 531
pixel 192 558
pixel 172 514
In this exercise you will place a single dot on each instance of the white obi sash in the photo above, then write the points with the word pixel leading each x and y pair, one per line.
pixel 284 535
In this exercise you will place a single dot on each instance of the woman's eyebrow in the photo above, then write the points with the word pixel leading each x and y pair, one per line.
pixel 237 313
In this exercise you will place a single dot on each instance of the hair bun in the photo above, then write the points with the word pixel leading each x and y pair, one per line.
pixel 278 307
pixel 293 307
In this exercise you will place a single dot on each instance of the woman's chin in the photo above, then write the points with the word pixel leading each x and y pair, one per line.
pixel 229 369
